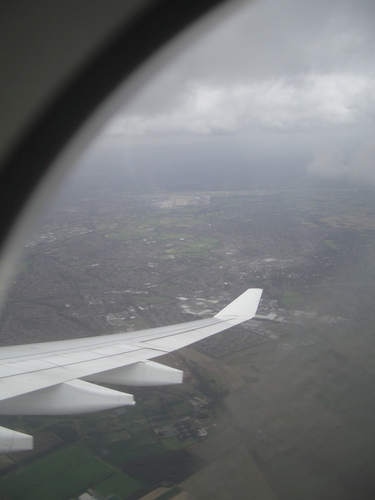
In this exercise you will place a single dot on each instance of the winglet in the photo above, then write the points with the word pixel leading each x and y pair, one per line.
pixel 241 309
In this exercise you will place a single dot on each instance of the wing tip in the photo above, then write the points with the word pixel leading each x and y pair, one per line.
pixel 242 308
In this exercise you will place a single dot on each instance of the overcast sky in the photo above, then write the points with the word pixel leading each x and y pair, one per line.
pixel 280 84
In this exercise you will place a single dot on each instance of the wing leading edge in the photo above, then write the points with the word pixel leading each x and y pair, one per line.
pixel 55 378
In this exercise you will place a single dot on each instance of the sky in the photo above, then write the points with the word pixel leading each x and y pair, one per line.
pixel 282 87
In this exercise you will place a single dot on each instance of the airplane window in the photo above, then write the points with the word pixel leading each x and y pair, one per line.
pixel 247 163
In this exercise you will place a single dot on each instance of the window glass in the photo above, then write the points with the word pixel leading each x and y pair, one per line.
pixel 247 162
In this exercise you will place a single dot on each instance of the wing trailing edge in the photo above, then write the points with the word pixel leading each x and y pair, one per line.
pixel 60 377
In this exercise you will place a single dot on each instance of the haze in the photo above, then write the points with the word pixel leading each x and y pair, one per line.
pixel 280 89
pixel 208 182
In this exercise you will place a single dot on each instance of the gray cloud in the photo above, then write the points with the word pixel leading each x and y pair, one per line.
pixel 308 101
pixel 362 165
pixel 281 78
pixel 329 162
pixel 332 162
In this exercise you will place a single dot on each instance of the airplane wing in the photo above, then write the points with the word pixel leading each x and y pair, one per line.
pixel 55 378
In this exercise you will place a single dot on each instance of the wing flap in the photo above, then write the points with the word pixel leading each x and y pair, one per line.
pixel 30 368
pixel 32 381
pixel 75 396
pixel 14 441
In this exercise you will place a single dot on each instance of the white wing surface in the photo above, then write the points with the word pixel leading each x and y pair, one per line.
pixel 55 378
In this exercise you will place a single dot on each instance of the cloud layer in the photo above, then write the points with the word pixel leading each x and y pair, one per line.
pixel 303 102
pixel 280 75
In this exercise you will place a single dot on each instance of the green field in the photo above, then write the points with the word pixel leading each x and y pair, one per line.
pixel 141 429
pixel 119 484
pixel 128 450
pixel 79 264
pixel 291 298
pixel 60 475
pixel 171 444
pixel 128 234
pixel 200 247
pixel 169 494
pixel 174 236
pixel 181 409
pixel 330 243
pixel 151 299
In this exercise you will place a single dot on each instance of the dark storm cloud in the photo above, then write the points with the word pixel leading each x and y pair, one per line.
pixel 308 102
pixel 273 39
pixel 274 71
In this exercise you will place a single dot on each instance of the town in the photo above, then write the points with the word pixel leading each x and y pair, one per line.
pixel 98 265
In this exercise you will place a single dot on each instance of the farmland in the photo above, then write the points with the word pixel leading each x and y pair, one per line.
pixel 285 394
pixel 59 475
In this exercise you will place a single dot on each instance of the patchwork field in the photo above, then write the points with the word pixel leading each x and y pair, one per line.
pixel 59 475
